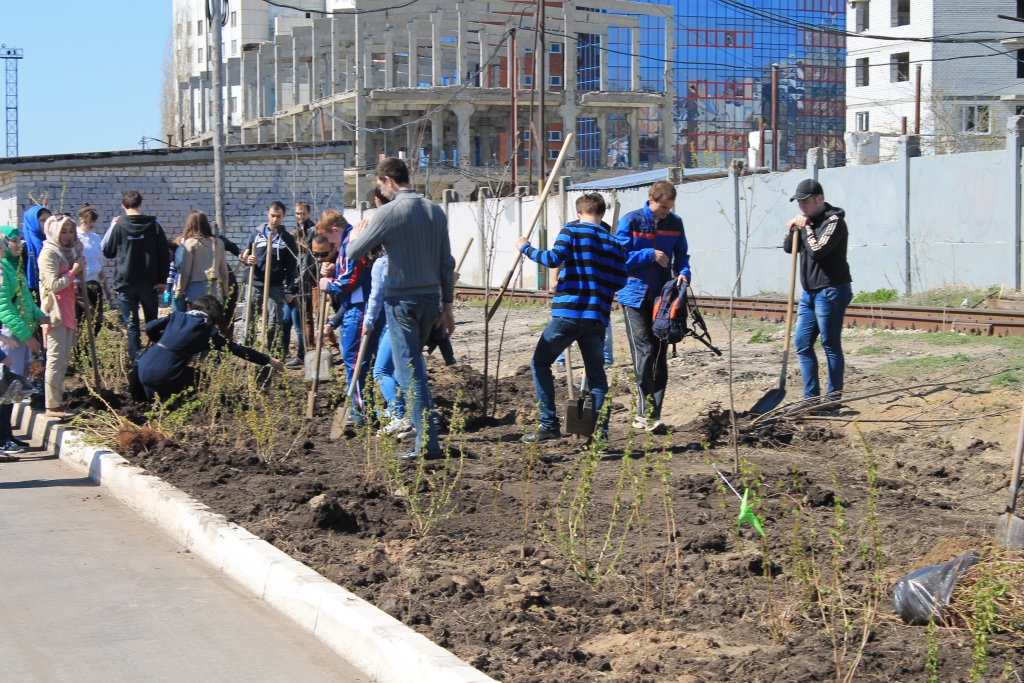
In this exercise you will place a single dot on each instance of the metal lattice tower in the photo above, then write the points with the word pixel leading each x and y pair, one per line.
pixel 11 55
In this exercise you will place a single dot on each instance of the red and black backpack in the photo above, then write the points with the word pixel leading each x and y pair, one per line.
pixel 669 314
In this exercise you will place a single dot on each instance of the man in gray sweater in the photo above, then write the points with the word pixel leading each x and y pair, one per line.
pixel 419 290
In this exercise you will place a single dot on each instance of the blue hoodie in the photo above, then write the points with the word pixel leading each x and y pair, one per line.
pixel 34 238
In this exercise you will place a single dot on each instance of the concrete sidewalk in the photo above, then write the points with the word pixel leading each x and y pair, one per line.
pixel 89 591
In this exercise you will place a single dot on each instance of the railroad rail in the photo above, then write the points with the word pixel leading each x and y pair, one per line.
pixel 976 321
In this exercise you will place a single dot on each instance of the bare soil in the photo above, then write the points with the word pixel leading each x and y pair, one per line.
pixel 678 594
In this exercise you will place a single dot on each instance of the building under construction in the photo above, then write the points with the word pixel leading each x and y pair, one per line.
pixel 639 84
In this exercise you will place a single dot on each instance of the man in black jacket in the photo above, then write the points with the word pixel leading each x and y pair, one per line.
pixel 138 246
pixel 825 276
pixel 281 278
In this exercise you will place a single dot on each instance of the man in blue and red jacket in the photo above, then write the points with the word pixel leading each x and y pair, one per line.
pixel 656 251
pixel 347 282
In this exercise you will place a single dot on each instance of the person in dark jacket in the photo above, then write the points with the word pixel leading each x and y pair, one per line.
pixel 281 278
pixel 656 251
pixel 165 368
pixel 298 308
pixel 138 245
pixel 825 277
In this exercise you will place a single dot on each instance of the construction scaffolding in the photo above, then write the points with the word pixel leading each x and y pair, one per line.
pixel 11 55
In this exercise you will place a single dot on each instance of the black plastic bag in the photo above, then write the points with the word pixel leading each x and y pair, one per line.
pixel 922 596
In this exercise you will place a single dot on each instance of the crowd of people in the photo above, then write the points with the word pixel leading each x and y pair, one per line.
pixel 389 283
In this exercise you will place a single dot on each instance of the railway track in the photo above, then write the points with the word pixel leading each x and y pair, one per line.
pixel 977 321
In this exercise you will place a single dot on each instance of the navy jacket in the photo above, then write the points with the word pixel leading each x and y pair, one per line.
pixel 164 367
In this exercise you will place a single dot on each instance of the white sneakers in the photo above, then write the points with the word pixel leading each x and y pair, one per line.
pixel 400 429
pixel 650 426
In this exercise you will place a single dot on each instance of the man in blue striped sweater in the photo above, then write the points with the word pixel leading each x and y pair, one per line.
pixel 593 269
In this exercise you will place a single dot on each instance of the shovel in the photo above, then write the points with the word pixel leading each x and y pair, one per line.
pixel 1010 528
pixel 774 397
pixel 579 413
pixel 341 417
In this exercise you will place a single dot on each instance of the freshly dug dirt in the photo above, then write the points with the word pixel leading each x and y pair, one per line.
pixel 552 565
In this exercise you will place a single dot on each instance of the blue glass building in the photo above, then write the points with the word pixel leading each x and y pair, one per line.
pixel 723 55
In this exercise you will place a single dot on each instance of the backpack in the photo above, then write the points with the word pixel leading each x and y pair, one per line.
pixel 669 314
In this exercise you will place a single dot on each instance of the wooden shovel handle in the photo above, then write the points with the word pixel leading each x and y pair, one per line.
pixel 789 306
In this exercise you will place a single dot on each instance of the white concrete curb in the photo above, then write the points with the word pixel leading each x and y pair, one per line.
pixel 375 643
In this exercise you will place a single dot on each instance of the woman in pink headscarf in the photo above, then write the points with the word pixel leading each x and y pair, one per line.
pixel 61 266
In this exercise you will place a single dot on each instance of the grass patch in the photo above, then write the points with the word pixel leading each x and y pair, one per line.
pixel 1011 379
pixel 879 296
pixel 950 297
pixel 762 336
pixel 950 338
pixel 874 351
pixel 910 366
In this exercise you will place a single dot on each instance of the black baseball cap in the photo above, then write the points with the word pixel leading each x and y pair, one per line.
pixel 807 188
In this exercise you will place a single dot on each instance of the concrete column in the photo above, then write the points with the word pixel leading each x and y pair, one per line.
pixel 569 112
pixel 278 81
pixel 314 56
pixel 604 61
pixel 243 82
pixel 436 136
pixel 204 102
pixel 191 126
pixel 634 67
pixel 668 126
pixel 414 55
pixel 633 118
pixel 908 147
pixel 296 70
pixel 815 161
pixel 463 114
pixel 389 58
pixel 463 49
pixel 332 68
pixel 1014 146
pixel 369 78
pixel 485 52
pixel 435 49
pixel 602 127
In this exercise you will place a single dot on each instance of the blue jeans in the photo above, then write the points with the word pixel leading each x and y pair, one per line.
pixel 384 377
pixel 351 338
pixel 291 316
pixel 821 313
pixel 557 336
pixel 609 349
pixel 410 319
pixel 130 298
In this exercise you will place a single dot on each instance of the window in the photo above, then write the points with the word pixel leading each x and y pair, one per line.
pixel 552 154
pixel 863 122
pixel 234 47
pixel 861 72
pixel 526 154
pixel 555 48
pixel 1020 63
pixel 899 67
pixel 527 81
pixel 234 18
pixel 200 55
pixel 526 135
pixel 555 81
pixel 1020 110
pixel 977 119
pixel 862 13
pixel 199 28
pixel 555 135
pixel 900 12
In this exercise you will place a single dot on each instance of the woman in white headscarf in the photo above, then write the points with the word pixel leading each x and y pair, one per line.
pixel 61 266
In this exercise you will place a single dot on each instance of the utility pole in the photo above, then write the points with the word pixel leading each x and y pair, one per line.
pixel 11 55
pixel 775 118
pixel 513 83
pixel 540 82
pixel 215 14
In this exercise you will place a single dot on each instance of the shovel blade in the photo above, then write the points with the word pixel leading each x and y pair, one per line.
pixel 579 421
pixel 1010 531
pixel 769 401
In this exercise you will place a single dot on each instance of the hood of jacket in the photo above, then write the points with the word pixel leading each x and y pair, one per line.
pixel 136 225
pixel 9 232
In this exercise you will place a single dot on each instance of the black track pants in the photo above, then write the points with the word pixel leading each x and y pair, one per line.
pixel 650 361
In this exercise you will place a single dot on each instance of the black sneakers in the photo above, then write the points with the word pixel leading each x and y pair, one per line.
pixel 542 435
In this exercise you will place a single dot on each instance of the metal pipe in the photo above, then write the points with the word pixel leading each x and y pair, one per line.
pixel 216 20
pixel 917 103
pixel 775 117
pixel 513 84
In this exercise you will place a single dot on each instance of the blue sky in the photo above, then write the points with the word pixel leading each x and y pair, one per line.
pixel 90 80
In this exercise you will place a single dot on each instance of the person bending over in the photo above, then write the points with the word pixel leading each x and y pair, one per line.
pixel 165 368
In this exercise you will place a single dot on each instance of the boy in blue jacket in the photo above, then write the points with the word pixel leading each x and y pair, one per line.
pixel 593 268
pixel 656 251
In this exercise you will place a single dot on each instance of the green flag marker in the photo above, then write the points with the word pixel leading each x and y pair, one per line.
pixel 747 515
